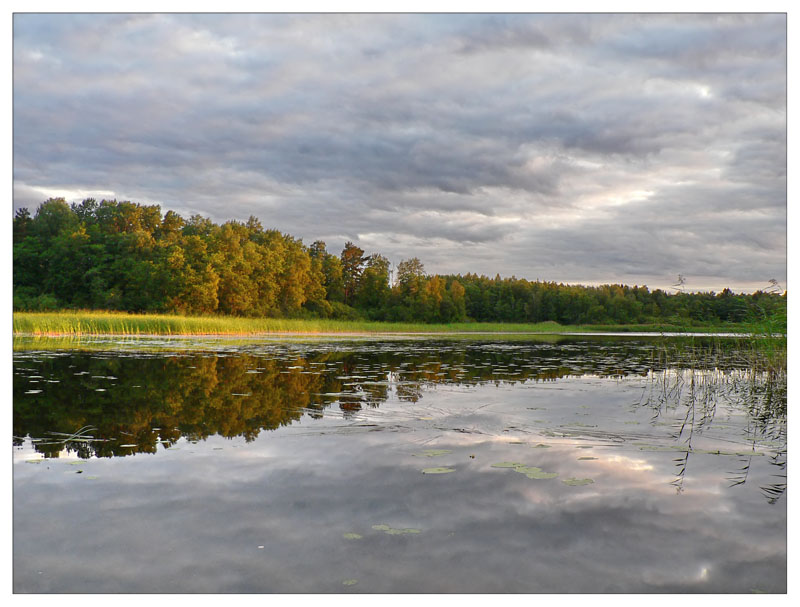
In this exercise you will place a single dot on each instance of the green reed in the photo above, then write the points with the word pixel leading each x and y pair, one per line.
pixel 119 323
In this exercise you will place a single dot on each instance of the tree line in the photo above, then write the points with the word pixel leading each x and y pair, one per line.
pixel 126 256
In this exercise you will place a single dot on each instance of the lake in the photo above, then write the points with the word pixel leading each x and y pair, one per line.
pixel 486 465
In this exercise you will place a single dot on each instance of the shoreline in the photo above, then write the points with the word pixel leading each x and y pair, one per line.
pixel 104 323
pixel 391 334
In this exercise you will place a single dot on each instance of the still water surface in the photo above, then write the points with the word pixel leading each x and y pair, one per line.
pixel 469 466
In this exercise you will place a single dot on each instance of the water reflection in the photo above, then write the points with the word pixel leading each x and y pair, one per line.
pixel 107 404
pixel 279 468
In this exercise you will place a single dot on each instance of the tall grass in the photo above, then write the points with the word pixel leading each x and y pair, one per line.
pixel 117 323
pixel 92 322
pixel 760 346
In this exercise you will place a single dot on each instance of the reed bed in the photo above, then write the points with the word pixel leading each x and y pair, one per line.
pixel 92 322
pixel 117 323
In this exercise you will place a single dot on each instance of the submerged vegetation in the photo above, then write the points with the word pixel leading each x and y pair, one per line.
pixel 128 257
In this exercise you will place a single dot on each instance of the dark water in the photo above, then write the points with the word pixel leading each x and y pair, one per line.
pixel 219 466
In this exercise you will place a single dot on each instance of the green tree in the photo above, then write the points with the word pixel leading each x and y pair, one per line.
pixel 22 224
pixel 353 260
pixel 52 218
pixel 373 292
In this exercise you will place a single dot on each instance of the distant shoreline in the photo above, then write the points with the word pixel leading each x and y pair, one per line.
pixel 89 323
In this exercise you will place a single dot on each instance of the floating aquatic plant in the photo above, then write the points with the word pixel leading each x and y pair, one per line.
pixel 402 531
pixel 720 452
pixel 392 531
pixel 351 536
pixel 432 452
pixel 349 582
pixel 534 472
pixel 574 482
pixel 507 465
pixel 529 471
pixel 437 470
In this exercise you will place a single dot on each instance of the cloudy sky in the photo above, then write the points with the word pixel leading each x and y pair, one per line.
pixel 575 148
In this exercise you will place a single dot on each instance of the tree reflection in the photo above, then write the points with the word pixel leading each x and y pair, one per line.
pixel 136 403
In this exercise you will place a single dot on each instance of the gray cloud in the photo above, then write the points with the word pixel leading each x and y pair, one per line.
pixel 568 147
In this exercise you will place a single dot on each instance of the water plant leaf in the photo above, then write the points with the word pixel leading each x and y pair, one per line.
pixel 527 469
pixel 437 470
pixel 540 446
pixel 586 458
pixel 507 465
pixel 574 482
pixel 402 531
pixel 393 531
pixel 663 448
pixel 351 536
pixel 720 452
pixel 432 452
pixel 349 582
pixel 535 473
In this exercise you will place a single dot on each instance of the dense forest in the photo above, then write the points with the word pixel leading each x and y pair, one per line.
pixel 126 256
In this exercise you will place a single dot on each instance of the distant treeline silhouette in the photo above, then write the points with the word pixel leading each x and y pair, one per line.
pixel 127 256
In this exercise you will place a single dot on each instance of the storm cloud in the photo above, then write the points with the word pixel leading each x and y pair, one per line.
pixel 575 148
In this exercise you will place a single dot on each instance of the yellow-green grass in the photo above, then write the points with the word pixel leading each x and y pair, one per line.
pixel 120 323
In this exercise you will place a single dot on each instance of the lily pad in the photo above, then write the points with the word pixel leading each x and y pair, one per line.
pixel 663 448
pixel 402 531
pixel 437 470
pixel 587 458
pixel 720 452
pixel 432 452
pixel 349 582
pixel 540 446
pixel 507 465
pixel 392 531
pixel 534 472
pixel 351 536
pixel 574 482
